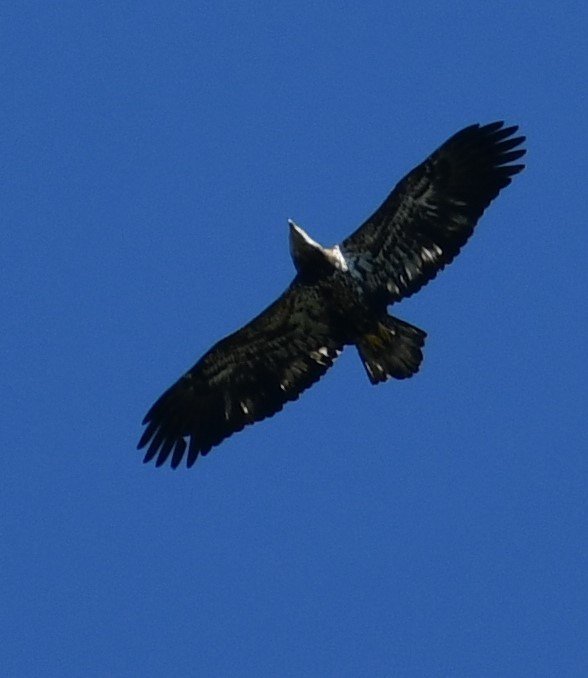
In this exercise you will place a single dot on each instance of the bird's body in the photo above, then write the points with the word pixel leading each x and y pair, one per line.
pixel 358 315
pixel 339 297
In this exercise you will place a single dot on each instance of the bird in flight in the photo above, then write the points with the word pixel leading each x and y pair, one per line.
pixel 339 297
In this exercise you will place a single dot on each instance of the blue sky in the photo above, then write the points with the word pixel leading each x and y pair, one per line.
pixel 150 155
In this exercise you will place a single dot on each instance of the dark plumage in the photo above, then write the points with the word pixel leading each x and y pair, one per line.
pixel 339 297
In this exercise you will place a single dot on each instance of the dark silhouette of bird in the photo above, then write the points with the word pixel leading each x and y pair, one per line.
pixel 339 297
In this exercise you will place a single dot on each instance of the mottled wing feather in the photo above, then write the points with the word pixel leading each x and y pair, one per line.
pixel 244 378
pixel 431 213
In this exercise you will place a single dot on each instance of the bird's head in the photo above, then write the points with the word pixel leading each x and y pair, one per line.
pixel 309 257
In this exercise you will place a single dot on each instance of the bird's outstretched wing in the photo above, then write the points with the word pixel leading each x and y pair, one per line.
pixel 432 212
pixel 244 378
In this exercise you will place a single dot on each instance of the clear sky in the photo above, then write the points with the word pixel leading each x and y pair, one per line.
pixel 150 155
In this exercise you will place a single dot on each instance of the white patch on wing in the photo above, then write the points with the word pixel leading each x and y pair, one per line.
pixel 392 287
pixel 431 253
pixel 228 405
pixel 321 356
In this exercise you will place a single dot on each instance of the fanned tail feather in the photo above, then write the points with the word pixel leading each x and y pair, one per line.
pixel 393 349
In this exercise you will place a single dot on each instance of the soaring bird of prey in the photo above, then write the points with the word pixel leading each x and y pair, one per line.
pixel 339 297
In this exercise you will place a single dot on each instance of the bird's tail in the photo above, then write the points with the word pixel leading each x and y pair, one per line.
pixel 393 349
